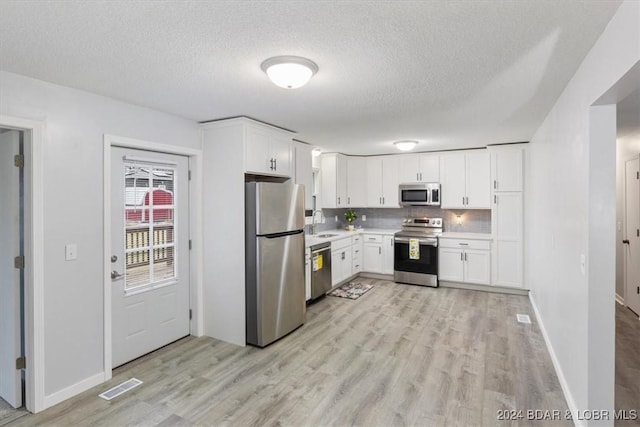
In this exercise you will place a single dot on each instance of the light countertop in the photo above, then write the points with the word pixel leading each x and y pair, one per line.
pixel 311 240
pixel 470 236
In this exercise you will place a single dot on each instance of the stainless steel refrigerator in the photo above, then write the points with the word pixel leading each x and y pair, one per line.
pixel 275 286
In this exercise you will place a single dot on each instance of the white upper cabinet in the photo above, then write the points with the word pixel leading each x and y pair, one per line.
pixel 506 168
pixel 382 181
pixel 356 182
pixel 333 184
pixel 267 150
pixel 304 171
pixel 465 179
pixel 419 168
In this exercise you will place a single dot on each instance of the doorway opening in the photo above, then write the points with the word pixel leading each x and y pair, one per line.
pixel 627 329
pixel 12 275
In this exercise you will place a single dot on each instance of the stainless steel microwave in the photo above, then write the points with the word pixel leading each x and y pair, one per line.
pixel 419 194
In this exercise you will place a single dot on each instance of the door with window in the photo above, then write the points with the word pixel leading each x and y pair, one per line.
pixel 150 251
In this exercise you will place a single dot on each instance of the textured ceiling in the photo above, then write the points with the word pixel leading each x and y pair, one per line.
pixel 450 74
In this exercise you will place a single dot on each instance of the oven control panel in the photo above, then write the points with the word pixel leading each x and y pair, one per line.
pixel 422 222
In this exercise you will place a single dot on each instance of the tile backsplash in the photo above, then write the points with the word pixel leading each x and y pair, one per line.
pixel 472 220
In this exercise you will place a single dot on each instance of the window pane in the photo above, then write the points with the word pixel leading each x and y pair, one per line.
pixel 138 269
pixel 162 234
pixel 164 266
pixel 137 236
pixel 149 218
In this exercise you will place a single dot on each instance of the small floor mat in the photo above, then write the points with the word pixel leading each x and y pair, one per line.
pixel 353 290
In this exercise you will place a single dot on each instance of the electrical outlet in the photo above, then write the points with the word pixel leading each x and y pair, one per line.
pixel 70 252
pixel 336 220
pixel 364 218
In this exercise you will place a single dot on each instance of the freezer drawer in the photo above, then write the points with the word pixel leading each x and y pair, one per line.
pixel 275 293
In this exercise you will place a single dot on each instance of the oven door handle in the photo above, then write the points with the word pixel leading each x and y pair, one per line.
pixel 429 242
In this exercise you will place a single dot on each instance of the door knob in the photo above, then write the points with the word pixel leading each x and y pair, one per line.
pixel 625 241
pixel 116 275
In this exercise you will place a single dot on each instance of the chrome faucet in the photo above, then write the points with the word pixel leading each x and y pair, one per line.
pixel 313 220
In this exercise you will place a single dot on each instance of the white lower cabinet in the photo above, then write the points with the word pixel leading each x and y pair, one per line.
pixel 307 274
pixel 356 254
pixel 387 255
pixel 466 261
pixel 378 253
pixel 372 249
pixel 341 260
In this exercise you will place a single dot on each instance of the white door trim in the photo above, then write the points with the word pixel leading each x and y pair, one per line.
pixel 195 209
pixel 34 253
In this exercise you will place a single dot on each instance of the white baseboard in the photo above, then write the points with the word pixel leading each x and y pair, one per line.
pixel 619 299
pixel 556 364
pixel 73 390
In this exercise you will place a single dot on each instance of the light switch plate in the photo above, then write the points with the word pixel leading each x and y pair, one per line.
pixel 364 217
pixel 71 252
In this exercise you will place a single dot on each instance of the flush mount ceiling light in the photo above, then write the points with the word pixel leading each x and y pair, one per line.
pixel 405 145
pixel 316 152
pixel 289 72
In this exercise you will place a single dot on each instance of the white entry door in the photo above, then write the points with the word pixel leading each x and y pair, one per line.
pixel 150 251
pixel 10 302
pixel 632 249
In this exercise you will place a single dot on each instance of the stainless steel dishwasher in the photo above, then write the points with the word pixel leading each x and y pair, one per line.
pixel 320 269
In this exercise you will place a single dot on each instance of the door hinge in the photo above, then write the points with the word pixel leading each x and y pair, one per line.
pixel 638 290
pixel 18 160
pixel 637 175
pixel 18 262
pixel 189 175
pixel 638 232
pixel 190 244
pixel 21 363
pixel 190 314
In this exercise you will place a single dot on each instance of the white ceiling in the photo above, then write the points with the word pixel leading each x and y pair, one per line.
pixel 450 74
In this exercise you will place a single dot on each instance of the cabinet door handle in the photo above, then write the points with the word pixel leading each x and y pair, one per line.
pixel 380 251
pixel 343 256
pixel 461 256
pixel 383 200
pixel 348 200
pixel 465 256
pixel 338 200
pixel 462 200
pixel 380 200
pixel 275 164
pixel 495 199
pixel 271 162
pixel 495 184
pixel 467 201
pixel 417 177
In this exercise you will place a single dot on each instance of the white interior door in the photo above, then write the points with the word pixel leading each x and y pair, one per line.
pixel 632 227
pixel 150 251
pixel 10 303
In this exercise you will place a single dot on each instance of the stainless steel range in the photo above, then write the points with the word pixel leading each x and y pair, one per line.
pixel 416 251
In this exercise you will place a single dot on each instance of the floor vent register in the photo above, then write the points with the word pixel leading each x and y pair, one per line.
pixel 120 389
pixel 523 318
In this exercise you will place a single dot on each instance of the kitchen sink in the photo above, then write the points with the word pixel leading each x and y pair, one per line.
pixel 324 236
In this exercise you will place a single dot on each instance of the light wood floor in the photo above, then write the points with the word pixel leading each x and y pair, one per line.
pixel 399 355
pixel 8 414
pixel 627 362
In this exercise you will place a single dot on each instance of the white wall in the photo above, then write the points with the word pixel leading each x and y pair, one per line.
pixel 73 158
pixel 559 202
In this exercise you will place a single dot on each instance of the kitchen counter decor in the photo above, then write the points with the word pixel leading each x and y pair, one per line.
pixel 350 215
